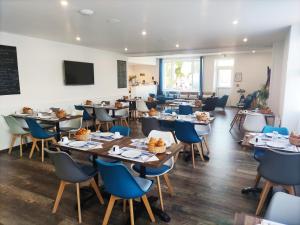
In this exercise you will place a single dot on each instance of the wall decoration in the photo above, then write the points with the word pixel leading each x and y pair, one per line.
pixel 142 75
pixel 238 77
pixel 9 74
pixel 122 74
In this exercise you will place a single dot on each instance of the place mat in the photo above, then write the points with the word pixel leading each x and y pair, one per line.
pixel 144 157
pixel 102 138
pixel 89 145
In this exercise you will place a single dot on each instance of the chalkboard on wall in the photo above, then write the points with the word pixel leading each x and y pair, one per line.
pixel 122 74
pixel 9 75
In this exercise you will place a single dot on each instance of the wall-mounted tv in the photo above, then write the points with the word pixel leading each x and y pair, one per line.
pixel 78 73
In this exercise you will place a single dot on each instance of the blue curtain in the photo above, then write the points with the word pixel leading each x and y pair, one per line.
pixel 160 85
pixel 201 75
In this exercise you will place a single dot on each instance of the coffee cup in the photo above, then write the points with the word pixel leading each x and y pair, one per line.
pixel 64 139
pixel 116 149
pixel 117 135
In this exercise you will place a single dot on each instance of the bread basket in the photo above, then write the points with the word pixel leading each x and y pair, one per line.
pixel 83 137
pixel 88 102
pixel 152 112
pixel 157 149
pixel 118 104
pixel 27 110
pixel 294 141
pixel 60 114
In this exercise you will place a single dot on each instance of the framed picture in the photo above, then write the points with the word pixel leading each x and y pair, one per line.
pixel 238 77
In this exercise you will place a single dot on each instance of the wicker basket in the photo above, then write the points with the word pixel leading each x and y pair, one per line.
pixel 60 114
pixel 156 149
pixel 294 141
pixel 152 113
pixel 27 110
pixel 88 102
pixel 118 104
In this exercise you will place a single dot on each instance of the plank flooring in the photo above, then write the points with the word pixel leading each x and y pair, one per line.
pixel 209 194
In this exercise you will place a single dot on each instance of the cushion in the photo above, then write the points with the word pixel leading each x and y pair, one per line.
pixel 144 184
pixel 152 171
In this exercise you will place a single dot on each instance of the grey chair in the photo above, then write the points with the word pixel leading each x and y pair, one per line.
pixel 284 208
pixel 149 124
pixel 103 117
pixel 70 172
pixel 278 169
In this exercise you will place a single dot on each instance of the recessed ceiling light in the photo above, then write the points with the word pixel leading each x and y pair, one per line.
pixel 64 3
pixel 177 45
pixel 253 51
pixel 86 12
pixel 235 22
pixel 113 20
pixel 144 33
pixel 125 49
pixel 78 38
pixel 245 39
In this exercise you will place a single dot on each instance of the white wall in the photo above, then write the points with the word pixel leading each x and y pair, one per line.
pixel 291 101
pixel 252 66
pixel 41 77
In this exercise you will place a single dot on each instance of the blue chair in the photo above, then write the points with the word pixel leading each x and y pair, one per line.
pixel 185 110
pixel 119 182
pixel 259 152
pixel 39 134
pixel 221 103
pixel 68 172
pixel 151 172
pixel 87 117
pixel 124 131
pixel 186 133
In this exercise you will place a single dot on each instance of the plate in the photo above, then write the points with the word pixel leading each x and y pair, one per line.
pixel 276 144
pixel 131 154
pixel 278 135
pixel 77 144
pixel 106 134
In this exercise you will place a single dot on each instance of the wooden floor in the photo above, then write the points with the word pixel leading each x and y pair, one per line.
pixel 209 194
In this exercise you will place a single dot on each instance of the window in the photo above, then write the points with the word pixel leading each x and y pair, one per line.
pixel 224 69
pixel 181 75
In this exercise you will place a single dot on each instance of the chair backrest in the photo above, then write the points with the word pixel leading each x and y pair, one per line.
pixel 102 115
pixel 65 167
pixel 185 132
pixel 185 110
pixel 74 123
pixel 280 167
pixel 141 106
pixel 149 124
pixel 124 131
pixel 254 122
pixel 247 102
pixel 284 208
pixel 35 129
pixel 86 114
pixel 14 126
pixel 118 180
pixel 222 101
pixel 280 130
pixel 132 105
pixel 210 104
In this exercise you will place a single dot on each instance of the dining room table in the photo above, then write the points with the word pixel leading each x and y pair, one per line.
pixel 100 144
pixel 48 118
pixel 245 219
pixel 111 108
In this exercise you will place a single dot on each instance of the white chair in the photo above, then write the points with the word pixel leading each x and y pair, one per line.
pixel 72 126
pixel 168 137
pixel 203 131
pixel 141 106
pixel 254 122
pixel 284 208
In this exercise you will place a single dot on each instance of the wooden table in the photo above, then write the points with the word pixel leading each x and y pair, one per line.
pixel 171 118
pixel 53 120
pixel 244 219
pixel 125 142
pixel 108 108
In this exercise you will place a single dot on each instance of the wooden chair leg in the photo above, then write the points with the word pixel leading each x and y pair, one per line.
pixel 169 185
pixel 78 202
pixel 176 157
pixel 13 140
pixel 131 212
pixel 21 146
pixel 96 189
pixel 53 140
pixel 124 205
pixel 263 197
pixel 58 196
pixel 160 193
pixel 148 207
pixel 200 149
pixel 107 127
pixel 43 142
pixel 32 148
pixel 205 143
pixel 109 209
pixel 193 156
pixel 257 179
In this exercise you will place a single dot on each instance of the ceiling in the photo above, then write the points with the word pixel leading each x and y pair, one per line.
pixel 196 25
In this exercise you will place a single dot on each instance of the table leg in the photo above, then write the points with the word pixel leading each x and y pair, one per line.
pixel 57 131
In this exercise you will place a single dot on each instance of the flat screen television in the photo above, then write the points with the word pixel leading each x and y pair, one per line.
pixel 78 73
